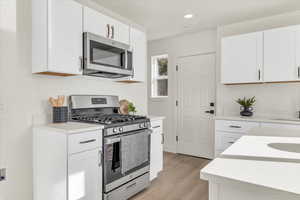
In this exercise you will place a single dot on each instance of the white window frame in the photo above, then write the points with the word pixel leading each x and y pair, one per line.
pixel 155 75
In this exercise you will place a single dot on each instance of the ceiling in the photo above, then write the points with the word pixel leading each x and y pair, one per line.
pixel 164 18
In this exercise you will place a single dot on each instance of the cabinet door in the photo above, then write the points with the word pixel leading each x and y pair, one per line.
pixel 119 31
pixel 95 22
pixel 279 55
pixel 138 42
pixel 85 176
pixel 242 58
pixel 64 36
pixel 298 51
pixel 139 50
pixel 156 154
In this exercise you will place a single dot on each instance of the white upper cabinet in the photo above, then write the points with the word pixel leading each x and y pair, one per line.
pixel 298 52
pixel 267 56
pixel 99 24
pixel 242 58
pixel 139 51
pixel 138 41
pixel 56 37
pixel 279 55
pixel 95 22
pixel 119 31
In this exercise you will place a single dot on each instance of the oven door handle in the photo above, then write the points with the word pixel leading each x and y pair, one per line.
pixel 112 140
pixel 148 131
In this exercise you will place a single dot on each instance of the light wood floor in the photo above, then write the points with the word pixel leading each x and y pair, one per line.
pixel 180 180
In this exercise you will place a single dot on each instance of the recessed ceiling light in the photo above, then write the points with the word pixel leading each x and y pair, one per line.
pixel 188 16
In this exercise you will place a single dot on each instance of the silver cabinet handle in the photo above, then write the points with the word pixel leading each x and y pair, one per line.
pixel 108 31
pixel 87 141
pixel 162 139
pixel 154 127
pixel 81 63
pixel 298 72
pixel 259 74
pixel 100 158
pixel 233 126
pixel 112 32
pixel 231 142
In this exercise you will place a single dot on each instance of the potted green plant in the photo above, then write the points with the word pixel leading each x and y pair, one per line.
pixel 246 106
pixel 131 108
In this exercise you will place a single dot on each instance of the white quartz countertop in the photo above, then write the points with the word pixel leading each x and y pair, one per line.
pixel 282 176
pixel 71 127
pixel 251 160
pixel 153 117
pixel 261 119
pixel 257 147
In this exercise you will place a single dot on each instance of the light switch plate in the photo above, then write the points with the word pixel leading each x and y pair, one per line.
pixel 2 174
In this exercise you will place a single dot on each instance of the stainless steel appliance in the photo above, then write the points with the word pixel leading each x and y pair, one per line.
pixel 106 58
pixel 126 144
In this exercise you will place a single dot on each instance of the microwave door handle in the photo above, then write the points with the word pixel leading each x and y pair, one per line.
pixel 126 59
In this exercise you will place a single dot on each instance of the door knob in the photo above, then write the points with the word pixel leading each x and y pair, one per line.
pixel 210 112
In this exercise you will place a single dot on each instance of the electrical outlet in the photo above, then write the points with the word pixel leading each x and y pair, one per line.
pixel 2 174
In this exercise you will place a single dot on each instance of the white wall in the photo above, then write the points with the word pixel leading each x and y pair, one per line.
pixel 24 98
pixel 175 47
pixel 273 100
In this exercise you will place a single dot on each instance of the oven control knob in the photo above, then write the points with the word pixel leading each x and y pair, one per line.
pixel 121 129
pixel 145 125
pixel 115 130
pixel 141 126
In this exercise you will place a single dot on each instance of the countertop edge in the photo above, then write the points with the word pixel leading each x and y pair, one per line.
pixel 253 119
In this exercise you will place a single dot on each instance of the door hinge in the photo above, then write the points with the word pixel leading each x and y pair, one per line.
pixel 177 139
pixel 177 68
pixel 176 103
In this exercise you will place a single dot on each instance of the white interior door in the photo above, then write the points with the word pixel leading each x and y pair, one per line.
pixel 196 90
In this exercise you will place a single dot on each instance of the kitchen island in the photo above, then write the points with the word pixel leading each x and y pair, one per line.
pixel 256 167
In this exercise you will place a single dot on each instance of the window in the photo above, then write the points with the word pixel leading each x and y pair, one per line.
pixel 159 80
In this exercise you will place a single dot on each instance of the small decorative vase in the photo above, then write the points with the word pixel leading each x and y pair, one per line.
pixel 246 111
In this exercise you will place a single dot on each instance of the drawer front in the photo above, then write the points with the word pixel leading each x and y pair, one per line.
pixel 235 126
pixel 280 126
pixel 157 126
pixel 225 140
pixel 84 141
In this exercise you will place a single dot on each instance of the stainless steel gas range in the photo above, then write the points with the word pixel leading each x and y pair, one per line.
pixel 126 144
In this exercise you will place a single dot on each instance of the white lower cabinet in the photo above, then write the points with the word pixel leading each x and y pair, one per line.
pixel 156 154
pixel 85 175
pixel 227 132
pixel 67 166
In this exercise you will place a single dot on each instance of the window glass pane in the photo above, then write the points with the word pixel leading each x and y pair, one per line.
pixel 162 64
pixel 162 87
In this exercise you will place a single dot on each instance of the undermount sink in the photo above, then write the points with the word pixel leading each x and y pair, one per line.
pixel 289 147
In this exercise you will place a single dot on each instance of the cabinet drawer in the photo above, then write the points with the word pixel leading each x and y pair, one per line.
pixel 280 126
pixel 225 140
pixel 84 141
pixel 235 126
pixel 157 126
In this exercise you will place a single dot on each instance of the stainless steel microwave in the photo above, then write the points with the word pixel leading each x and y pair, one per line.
pixel 106 58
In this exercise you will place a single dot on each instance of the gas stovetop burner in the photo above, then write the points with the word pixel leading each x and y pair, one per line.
pixel 108 119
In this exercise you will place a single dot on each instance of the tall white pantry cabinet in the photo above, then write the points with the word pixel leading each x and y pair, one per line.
pixel 67 162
